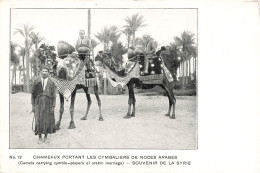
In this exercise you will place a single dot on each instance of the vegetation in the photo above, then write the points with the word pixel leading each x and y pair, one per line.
pixel 134 23
pixel 14 61
pixel 186 49
pixel 25 31
pixel 177 55
pixel 36 39
pixel 108 35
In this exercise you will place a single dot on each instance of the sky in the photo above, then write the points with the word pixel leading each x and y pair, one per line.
pixel 64 24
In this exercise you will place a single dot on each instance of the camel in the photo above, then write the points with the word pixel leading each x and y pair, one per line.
pixel 155 67
pixel 44 55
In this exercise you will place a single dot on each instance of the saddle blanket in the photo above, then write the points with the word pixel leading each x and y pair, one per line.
pixel 122 81
pixel 66 87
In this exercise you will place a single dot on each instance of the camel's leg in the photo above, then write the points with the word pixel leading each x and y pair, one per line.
pixel 99 103
pixel 89 102
pixel 170 100
pixel 131 100
pixel 61 111
pixel 173 103
pixel 133 111
pixel 73 96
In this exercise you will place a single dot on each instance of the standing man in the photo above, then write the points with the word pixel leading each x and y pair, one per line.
pixel 149 50
pixel 43 104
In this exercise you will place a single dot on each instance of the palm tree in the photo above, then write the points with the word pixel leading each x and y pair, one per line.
pixel 14 61
pixel 187 45
pixel 142 42
pixel 103 37
pixel 108 35
pixel 134 24
pixel 36 39
pixel 194 55
pixel 20 70
pixel 128 32
pixel 170 57
pixel 114 34
pixel 22 54
pixel 25 31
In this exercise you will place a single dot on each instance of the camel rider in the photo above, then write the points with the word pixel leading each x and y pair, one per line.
pixel 132 52
pixel 150 51
pixel 82 43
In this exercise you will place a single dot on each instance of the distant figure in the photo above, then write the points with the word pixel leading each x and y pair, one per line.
pixel 82 42
pixel 43 104
pixel 150 51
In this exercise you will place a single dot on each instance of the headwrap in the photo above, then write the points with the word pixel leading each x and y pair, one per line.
pixel 82 31
pixel 45 67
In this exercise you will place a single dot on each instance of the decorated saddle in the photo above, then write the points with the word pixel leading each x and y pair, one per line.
pixel 73 69
pixel 72 66
pixel 133 68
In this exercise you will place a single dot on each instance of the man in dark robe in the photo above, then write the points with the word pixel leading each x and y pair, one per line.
pixel 43 104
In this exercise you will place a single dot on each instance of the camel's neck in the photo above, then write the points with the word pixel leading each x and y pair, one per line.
pixel 112 69
pixel 122 72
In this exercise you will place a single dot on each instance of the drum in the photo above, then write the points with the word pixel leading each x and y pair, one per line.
pixel 64 49
pixel 83 50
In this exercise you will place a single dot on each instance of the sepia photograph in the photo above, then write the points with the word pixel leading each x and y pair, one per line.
pixel 109 78
pixel 140 86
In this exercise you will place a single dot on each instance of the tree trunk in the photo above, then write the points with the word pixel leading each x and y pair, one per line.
pixel 128 41
pixel 31 70
pixel 183 73
pixel 134 39
pixel 187 72
pixel 12 81
pixel 193 66
pixel 15 66
pixel 36 62
pixel 19 76
pixel 93 55
pixel 195 70
pixel 179 75
pixel 89 32
pixel 24 77
pixel 27 65
pixel 105 47
pixel 189 67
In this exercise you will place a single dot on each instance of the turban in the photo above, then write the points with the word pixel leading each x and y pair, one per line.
pixel 45 67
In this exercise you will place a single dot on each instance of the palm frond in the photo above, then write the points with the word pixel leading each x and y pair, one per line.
pixel 17 30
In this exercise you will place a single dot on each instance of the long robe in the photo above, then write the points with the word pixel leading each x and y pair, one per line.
pixel 44 100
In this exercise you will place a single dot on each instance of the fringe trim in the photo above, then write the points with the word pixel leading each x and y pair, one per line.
pixel 158 81
pixel 152 77
pixel 122 81
pixel 66 87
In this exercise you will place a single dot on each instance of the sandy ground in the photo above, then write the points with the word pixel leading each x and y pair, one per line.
pixel 148 130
